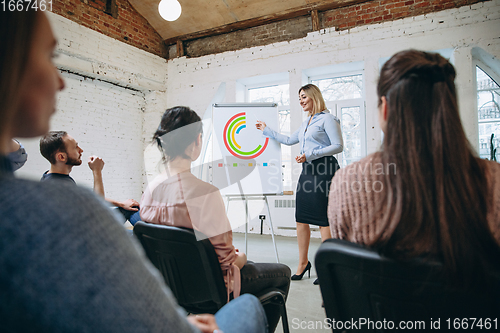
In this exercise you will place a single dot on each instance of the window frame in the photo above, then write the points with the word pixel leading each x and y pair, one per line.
pixel 358 102
pixel 264 83
pixel 335 106
pixel 495 78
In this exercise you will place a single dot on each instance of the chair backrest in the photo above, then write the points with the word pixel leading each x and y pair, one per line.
pixel 190 267
pixel 357 282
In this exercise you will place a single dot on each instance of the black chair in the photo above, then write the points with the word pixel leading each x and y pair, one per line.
pixel 357 282
pixel 191 269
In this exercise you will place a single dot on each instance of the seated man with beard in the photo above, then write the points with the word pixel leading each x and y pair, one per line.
pixel 63 153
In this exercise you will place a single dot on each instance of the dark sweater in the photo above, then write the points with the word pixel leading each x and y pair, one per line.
pixel 57 177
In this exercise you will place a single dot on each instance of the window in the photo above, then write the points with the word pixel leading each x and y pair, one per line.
pixel 344 98
pixel 279 94
pixel 344 87
pixel 108 6
pixel 488 92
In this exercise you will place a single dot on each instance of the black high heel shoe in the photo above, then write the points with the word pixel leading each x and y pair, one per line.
pixel 299 276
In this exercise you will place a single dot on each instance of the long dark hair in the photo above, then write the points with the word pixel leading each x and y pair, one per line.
pixel 437 200
pixel 16 34
pixel 179 127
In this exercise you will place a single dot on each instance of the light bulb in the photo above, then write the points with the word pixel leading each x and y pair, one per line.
pixel 170 10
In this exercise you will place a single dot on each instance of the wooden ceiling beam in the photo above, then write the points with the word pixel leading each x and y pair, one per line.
pixel 250 23
pixel 180 48
pixel 315 20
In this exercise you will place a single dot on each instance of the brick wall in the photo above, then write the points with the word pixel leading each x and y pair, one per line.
pixel 106 120
pixel 385 10
pixel 129 26
pixel 98 4
pixel 261 35
pixel 340 19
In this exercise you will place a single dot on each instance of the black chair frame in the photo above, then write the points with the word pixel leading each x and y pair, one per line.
pixel 191 269
pixel 357 282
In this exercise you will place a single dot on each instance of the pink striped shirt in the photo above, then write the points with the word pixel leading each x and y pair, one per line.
pixel 182 200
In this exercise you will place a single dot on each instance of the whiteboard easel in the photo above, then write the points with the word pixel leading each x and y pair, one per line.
pixel 254 197
pixel 244 161
pixel 246 165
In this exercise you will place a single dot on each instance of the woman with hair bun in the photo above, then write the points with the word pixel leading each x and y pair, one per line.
pixel 426 193
pixel 178 198
pixel 319 137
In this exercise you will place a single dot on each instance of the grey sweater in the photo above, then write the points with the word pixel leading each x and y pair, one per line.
pixel 66 265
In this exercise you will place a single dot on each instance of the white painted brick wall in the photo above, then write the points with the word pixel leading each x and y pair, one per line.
pixel 156 105
pixel 106 120
pixel 101 111
pixel 113 59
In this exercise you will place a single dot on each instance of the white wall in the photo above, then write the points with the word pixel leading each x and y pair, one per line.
pixel 110 86
pixel 193 82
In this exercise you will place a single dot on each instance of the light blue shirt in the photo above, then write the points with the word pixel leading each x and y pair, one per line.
pixel 322 137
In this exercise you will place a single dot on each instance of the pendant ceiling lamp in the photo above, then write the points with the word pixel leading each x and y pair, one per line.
pixel 169 10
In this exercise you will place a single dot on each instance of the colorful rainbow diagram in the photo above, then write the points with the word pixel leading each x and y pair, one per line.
pixel 234 126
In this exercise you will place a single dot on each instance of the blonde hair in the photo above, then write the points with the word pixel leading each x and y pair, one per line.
pixel 314 93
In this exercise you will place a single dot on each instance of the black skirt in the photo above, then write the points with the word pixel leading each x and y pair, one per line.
pixel 313 188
